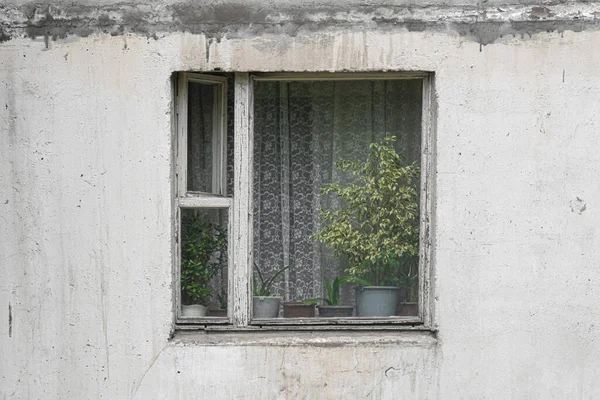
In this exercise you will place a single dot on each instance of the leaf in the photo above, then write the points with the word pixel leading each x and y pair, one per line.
pixel 265 286
pixel 358 280
pixel 272 279
pixel 379 217
pixel 202 247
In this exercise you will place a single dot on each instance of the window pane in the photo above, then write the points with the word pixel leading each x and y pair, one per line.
pixel 304 132
pixel 230 133
pixel 203 262
pixel 203 138
pixel 204 167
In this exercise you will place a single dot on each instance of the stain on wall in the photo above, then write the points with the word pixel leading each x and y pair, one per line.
pixel 10 320
pixel 239 20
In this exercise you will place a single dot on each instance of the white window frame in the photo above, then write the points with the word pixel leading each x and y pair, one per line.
pixel 241 218
pixel 219 139
pixel 187 199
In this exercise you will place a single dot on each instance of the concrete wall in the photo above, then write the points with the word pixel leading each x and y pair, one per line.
pixel 85 205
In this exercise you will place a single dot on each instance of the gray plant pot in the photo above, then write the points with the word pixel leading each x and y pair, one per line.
pixel 376 301
pixel 335 311
pixel 265 306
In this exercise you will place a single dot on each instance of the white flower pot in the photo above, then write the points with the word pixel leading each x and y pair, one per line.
pixel 193 310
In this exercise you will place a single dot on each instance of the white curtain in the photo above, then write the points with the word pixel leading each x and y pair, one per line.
pixel 300 130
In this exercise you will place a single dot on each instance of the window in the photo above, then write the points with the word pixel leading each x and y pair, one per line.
pixel 203 196
pixel 303 199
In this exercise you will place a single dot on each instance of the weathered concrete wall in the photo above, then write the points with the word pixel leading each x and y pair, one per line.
pixel 85 214
pixel 481 21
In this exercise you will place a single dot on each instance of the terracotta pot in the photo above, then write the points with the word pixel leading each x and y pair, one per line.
pixel 335 311
pixel 217 312
pixel 409 309
pixel 294 309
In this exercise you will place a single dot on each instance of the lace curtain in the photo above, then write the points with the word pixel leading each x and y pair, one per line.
pixel 300 130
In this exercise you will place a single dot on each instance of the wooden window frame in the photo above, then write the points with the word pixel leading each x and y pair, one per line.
pixel 187 199
pixel 241 214
pixel 219 139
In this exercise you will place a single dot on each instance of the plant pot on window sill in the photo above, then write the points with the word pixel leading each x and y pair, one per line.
pixel 266 306
pixel 295 309
pixel 409 309
pixel 217 312
pixel 335 311
pixel 376 301
pixel 193 310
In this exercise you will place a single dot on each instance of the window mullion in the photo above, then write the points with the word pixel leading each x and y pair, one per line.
pixel 426 230
pixel 242 205
pixel 204 202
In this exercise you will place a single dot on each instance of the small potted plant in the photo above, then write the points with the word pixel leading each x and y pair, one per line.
pixel 409 305
pixel 264 305
pixel 298 309
pixel 202 252
pixel 222 310
pixel 332 307
pixel 377 225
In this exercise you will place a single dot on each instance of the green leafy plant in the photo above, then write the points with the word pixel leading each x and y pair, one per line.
pixel 222 299
pixel 409 279
pixel 377 225
pixel 333 290
pixel 203 248
pixel 262 285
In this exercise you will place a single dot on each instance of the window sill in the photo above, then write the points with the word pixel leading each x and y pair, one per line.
pixel 317 336
pixel 351 323
pixel 337 322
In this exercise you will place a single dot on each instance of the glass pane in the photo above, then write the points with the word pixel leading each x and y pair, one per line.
pixel 230 133
pixel 310 137
pixel 203 138
pixel 204 262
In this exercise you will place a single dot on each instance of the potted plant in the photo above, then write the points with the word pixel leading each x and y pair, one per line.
pixel 222 310
pixel 298 309
pixel 376 226
pixel 409 305
pixel 202 251
pixel 333 309
pixel 264 305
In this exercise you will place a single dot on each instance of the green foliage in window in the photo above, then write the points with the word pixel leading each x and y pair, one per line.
pixel 333 290
pixel 222 300
pixel 377 225
pixel 409 278
pixel 262 285
pixel 203 248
